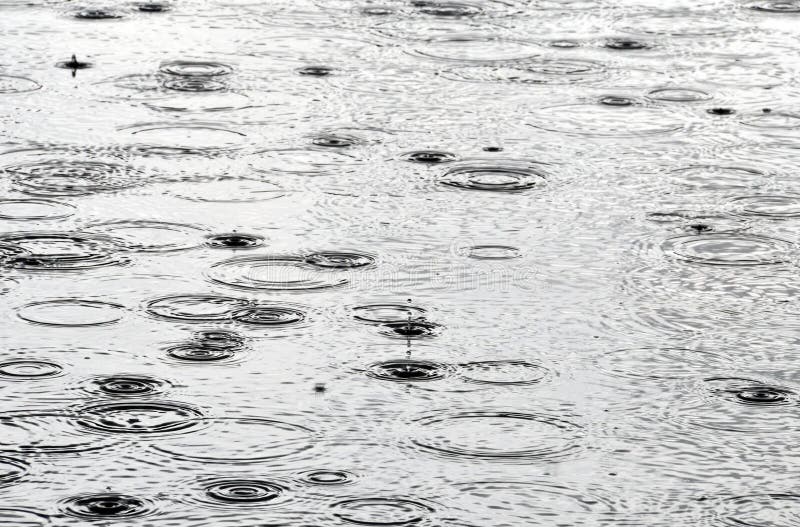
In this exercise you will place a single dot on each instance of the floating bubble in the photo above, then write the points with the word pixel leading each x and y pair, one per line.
pixel 625 44
pixel 504 436
pixel 277 273
pixel 106 505
pixel 139 417
pixel 429 156
pixel 729 249
pixel 71 312
pixel 153 7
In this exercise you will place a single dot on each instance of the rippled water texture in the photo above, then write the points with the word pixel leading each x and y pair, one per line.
pixel 432 263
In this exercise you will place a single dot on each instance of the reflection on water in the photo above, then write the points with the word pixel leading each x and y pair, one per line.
pixel 403 262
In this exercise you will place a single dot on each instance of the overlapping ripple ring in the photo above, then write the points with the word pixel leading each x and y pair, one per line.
pixel 290 273
pixel 195 308
pixel 382 511
pixel 139 417
pixel 729 249
pixel 494 178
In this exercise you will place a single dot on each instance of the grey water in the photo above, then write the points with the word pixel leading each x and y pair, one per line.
pixel 399 262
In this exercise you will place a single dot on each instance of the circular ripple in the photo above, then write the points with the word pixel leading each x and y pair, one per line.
pixel 525 503
pixel 22 518
pixel 539 71
pixel 382 511
pixel 504 436
pixel 336 140
pixel 760 510
pixel 127 385
pixel 774 120
pixel 106 505
pixel 245 491
pixel 606 121
pixel 446 9
pixel 264 315
pixel 617 100
pixel 299 161
pixel 140 417
pixel 97 14
pixel 503 372
pixel 777 6
pixel 408 370
pixel 29 369
pixel 10 84
pixel 316 71
pixel 195 308
pixel 676 94
pixel 73 178
pixel 729 249
pixel 194 85
pixel 661 363
pixel 339 260
pixel 328 477
pixel 411 329
pixel 469 48
pixel 199 353
pixel 768 206
pixel 69 312
pixel 491 252
pixel 625 44
pixel 219 338
pixel 273 273
pixel 11 470
pixel 233 440
pixel 41 433
pixel 34 209
pixel 388 313
pixel 188 139
pixel 714 177
pixel 493 178
pixel 186 68
pixel 234 240
pixel 61 251
pixel 153 7
pixel 429 156
pixel 151 236
pixel 750 392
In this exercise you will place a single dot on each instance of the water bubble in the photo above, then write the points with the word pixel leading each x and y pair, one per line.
pixel 153 7
pixel 238 441
pixel 564 44
pixel 106 505
pixel 139 417
pixel 185 68
pixel 219 338
pixel 245 491
pixel 269 315
pixel 729 249
pixel 721 111
pixel 408 370
pixel 10 84
pixel 195 308
pixel 625 44
pixel 377 11
pixel 616 100
pixel 494 178
pixel 73 178
pixel 382 511
pixel 194 85
pixel 34 209
pixel 388 313
pixel 26 369
pixel 97 14
pixel 328 477
pixel 71 312
pixel 270 273
pixel 505 436
pixel 234 240
pixel 492 149
pixel 127 385
pixel 429 156
pixel 503 372
pixel 678 94
pixel 340 260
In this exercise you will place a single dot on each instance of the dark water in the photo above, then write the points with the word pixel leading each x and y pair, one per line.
pixel 411 262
